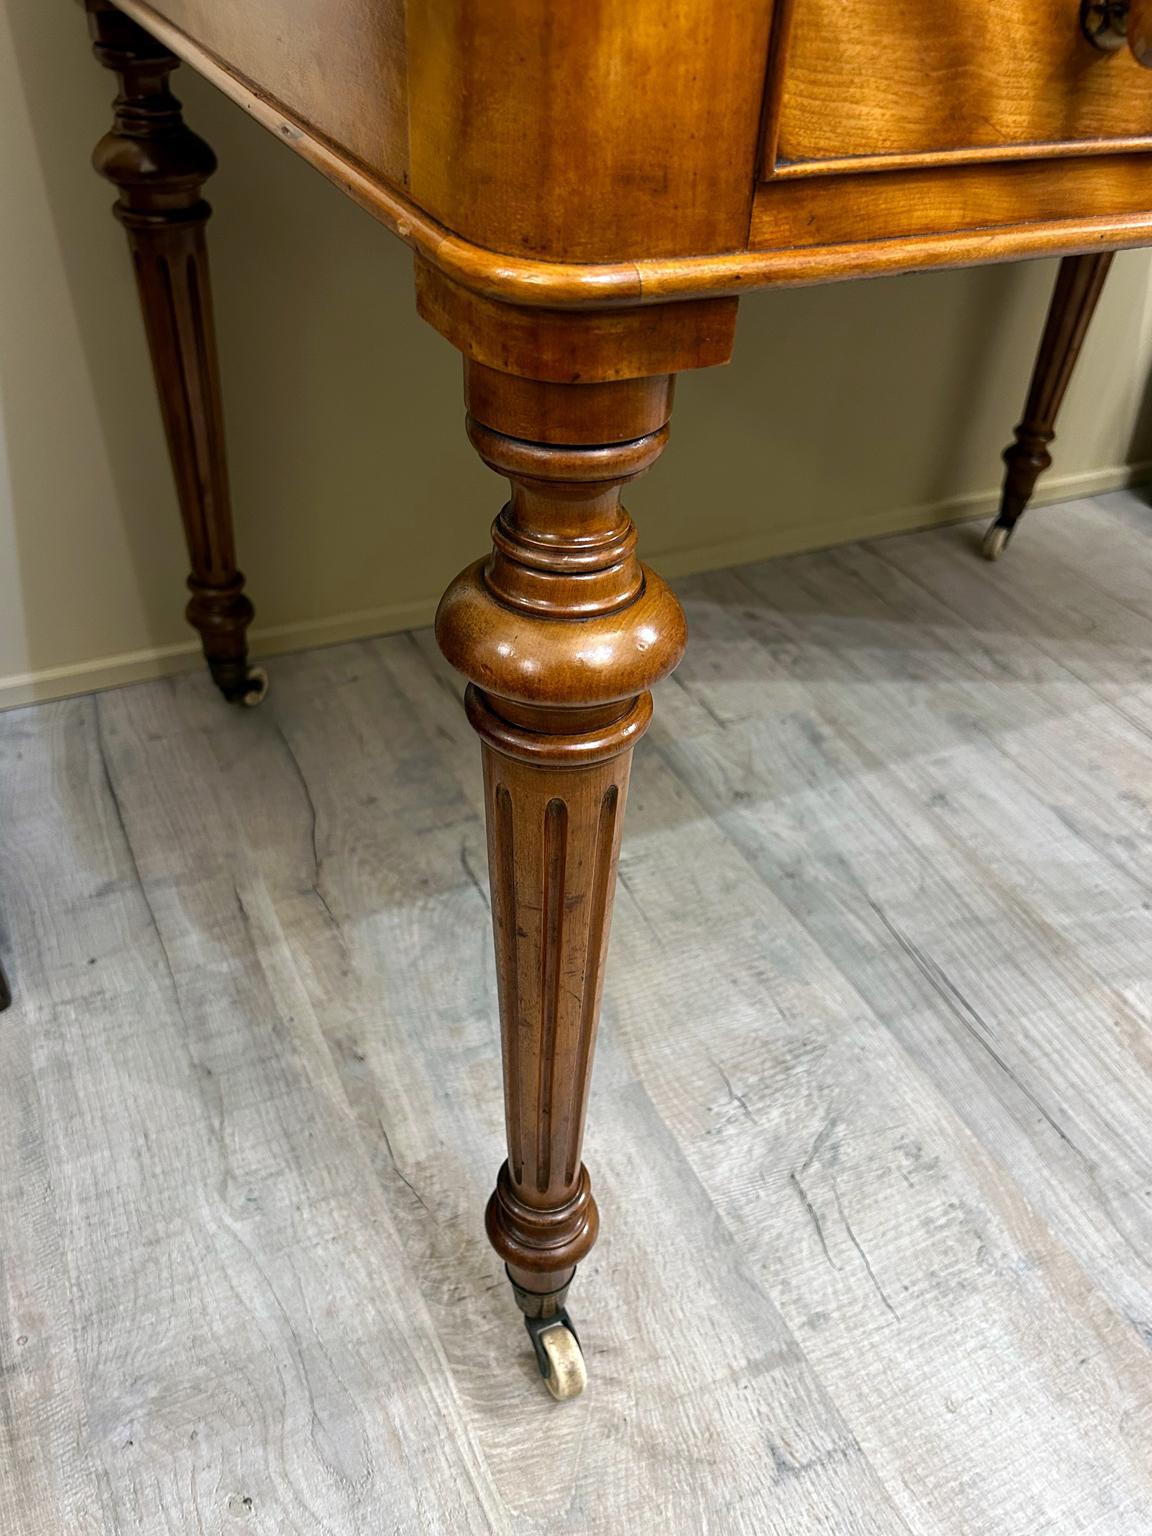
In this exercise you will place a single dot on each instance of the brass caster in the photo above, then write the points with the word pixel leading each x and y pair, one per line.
pixel 240 683
pixel 995 541
pixel 256 690
pixel 567 1374
pixel 558 1354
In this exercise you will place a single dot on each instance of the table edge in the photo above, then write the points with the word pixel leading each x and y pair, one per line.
pixel 519 280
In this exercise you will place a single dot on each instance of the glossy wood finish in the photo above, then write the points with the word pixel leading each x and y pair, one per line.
pixel 696 238
pixel 570 348
pixel 564 173
pixel 159 167
pixel 884 77
pixel 608 97
pixel 988 204
pixel 634 100
pixel 1079 285
pixel 561 633
pixel 339 64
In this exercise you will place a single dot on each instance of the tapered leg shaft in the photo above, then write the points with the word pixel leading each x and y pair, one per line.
pixel 159 167
pixel 561 632
pixel 1078 288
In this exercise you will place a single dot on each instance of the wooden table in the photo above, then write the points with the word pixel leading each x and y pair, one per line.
pixel 588 190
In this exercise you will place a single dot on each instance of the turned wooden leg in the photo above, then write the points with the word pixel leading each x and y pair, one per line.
pixel 561 632
pixel 1078 288
pixel 159 167
pixel 5 993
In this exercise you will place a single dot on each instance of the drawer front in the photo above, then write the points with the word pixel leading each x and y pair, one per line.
pixel 886 84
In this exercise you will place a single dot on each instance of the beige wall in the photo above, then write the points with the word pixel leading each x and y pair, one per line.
pixel 848 411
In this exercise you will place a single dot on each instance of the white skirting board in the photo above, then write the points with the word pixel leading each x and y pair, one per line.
pixel 773 539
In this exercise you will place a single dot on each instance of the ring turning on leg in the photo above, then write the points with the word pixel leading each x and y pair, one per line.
pixel 561 633
pixel 159 167
pixel 1079 285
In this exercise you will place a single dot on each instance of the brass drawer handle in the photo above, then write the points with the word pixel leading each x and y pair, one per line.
pixel 1109 24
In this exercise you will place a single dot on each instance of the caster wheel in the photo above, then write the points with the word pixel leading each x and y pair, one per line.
pixel 567 1374
pixel 995 541
pixel 240 683
pixel 256 690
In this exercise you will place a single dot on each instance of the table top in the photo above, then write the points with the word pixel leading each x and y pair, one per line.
pixel 587 156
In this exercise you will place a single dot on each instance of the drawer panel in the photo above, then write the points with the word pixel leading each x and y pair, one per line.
pixel 877 84
pixel 847 209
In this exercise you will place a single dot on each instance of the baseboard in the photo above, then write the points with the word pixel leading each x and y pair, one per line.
pixel 168 660
pixel 775 539
pixel 797 538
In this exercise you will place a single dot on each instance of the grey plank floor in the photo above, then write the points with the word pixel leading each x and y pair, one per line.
pixel 872 1120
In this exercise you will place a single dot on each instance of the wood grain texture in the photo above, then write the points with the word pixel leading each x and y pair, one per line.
pixel 439 98
pixel 338 66
pixel 587 132
pixel 561 634
pixel 884 78
pixel 1017 698
pixel 199 1325
pixel 917 203
pixel 1030 209
pixel 583 347
pixel 872 1092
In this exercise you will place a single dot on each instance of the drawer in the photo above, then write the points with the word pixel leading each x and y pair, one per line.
pixel 899 84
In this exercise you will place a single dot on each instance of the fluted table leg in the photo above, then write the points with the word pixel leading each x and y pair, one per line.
pixel 1079 285
pixel 159 167
pixel 561 633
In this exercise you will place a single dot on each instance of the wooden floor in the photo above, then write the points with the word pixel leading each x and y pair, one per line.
pixel 872 1116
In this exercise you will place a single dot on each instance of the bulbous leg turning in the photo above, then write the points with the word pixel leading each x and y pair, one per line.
pixel 561 633
pixel 159 167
